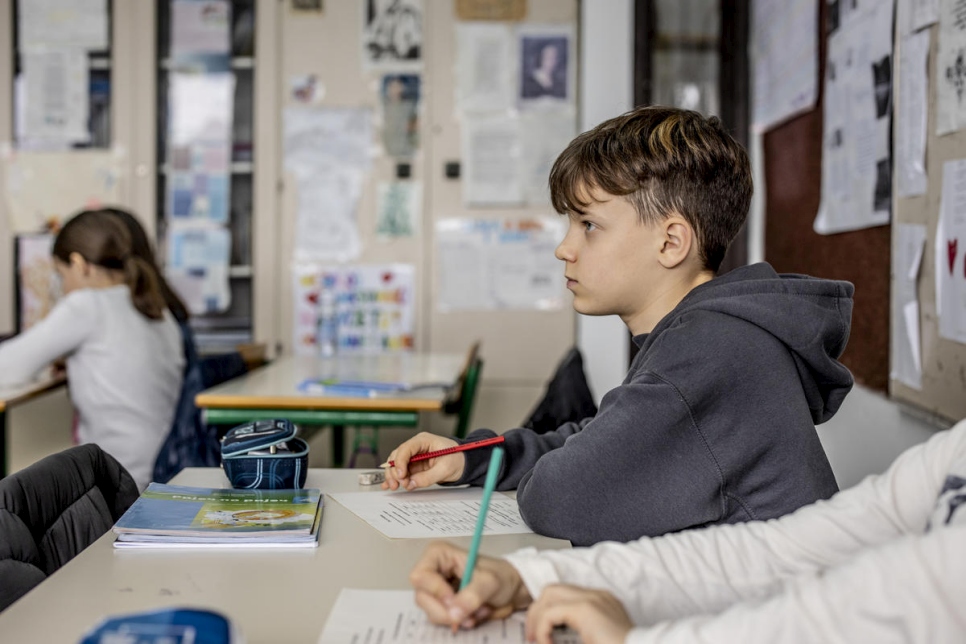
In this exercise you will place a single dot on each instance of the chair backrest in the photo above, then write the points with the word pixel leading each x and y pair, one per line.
pixel 53 509
pixel 468 396
pixel 567 397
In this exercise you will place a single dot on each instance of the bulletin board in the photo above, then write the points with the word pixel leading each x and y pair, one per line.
pixel 793 183
pixel 943 391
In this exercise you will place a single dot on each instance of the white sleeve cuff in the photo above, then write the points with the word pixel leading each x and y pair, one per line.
pixel 536 572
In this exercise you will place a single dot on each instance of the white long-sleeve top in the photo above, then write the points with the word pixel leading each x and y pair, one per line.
pixel 124 371
pixel 884 561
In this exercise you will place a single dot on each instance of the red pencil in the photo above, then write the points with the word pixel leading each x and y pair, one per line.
pixel 449 450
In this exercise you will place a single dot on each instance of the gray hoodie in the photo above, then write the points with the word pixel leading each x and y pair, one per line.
pixel 714 423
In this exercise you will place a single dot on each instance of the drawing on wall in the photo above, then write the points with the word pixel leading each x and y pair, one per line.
pixel 544 64
pixel 392 34
pixel 398 209
pixel 306 89
pixel 400 114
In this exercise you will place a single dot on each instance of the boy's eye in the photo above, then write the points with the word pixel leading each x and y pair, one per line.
pixel 589 226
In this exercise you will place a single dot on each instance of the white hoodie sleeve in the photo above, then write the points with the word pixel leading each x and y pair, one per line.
pixel 64 329
pixel 804 572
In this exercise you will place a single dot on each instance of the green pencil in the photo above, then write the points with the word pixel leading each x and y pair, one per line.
pixel 491 473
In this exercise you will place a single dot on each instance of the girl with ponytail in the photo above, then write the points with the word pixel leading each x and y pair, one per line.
pixel 123 348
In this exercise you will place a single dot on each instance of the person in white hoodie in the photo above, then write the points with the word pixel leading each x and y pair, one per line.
pixel 884 561
pixel 123 349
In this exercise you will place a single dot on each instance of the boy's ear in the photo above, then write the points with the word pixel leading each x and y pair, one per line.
pixel 678 239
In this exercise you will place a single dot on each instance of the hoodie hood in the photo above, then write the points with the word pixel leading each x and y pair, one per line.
pixel 810 316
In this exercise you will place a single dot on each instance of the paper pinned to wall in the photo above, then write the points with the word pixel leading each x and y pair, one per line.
pixel 37 286
pixel 499 264
pixel 74 24
pixel 398 209
pixel 40 187
pixel 856 154
pixel 911 115
pixel 484 67
pixel 545 135
pixel 53 98
pixel 200 27
pixel 197 266
pixel 913 15
pixel 492 150
pixel 909 243
pixel 951 68
pixel 546 66
pixel 950 253
pixel 785 59
pixel 329 151
pixel 392 35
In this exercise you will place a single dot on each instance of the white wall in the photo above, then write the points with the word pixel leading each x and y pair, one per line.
pixel 606 90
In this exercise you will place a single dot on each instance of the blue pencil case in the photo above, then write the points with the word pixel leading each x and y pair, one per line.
pixel 265 455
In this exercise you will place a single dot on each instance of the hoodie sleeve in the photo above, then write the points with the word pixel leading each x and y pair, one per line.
pixel 639 467
pixel 856 563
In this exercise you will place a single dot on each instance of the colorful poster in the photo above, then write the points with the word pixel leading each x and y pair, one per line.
pixel 37 287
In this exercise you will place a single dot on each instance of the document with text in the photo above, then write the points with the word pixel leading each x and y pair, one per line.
pixel 433 513
pixel 392 617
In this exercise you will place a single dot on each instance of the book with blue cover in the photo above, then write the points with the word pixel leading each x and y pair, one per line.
pixel 167 514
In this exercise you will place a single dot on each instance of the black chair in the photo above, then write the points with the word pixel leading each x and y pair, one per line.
pixel 567 397
pixel 52 510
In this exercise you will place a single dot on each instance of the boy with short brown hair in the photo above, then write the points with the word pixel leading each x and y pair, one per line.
pixel 715 420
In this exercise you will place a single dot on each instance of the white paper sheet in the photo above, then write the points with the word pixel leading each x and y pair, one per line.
pixel 431 513
pixel 950 68
pixel 856 163
pixel 500 264
pixel 950 253
pixel 909 242
pixel 913 15
pixel 492 149
pixel 200 27
pixel 484 67
pixel 55 85
pixel 911 115
pixel 197 266
pixel 329 151
pixel 545 135
pixel 785 59
pixel 74 24
pixel 392 617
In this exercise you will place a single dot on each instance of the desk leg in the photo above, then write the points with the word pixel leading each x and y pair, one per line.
pixel 338 445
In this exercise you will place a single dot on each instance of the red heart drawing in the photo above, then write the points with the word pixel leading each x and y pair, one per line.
pixel 951 253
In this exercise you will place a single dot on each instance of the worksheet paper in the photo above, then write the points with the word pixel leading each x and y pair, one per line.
pixel 422 514
pixel 392 617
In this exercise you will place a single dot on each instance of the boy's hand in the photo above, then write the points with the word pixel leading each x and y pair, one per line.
pixel 442 469
pixel 495 591
pixel 595 614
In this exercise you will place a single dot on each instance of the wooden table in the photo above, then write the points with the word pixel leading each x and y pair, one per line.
pixel 273 391
pixel 12 396
pixel 274 596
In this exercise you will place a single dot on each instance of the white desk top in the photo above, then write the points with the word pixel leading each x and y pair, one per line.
pixel 274 596
pixel 275 386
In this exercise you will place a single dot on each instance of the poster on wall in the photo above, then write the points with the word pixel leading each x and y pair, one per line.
pixel 950 253
pixel 400 114
pixel 490 264
pixel 546 66
pixel 856 153
pixel 392 34
pixel 374 307
pixel 484 67
pixel 951 68
pixel 785 60
pixel 37 287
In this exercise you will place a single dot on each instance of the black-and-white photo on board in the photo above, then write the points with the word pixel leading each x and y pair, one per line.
pixel 546 65
pixel 392 34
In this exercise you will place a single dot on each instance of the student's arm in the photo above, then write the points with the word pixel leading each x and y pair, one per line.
pixel 63 330
pixel 707 570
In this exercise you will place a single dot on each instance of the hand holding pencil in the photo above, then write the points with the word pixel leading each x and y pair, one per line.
pixel 410 474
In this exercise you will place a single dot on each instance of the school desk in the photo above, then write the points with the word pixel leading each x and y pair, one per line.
pixel 14 396
pixel 273 391
pixel 272 595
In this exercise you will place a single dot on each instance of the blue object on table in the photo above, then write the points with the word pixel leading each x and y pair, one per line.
pixel 167 625
pixel 265 455
pixel 496 459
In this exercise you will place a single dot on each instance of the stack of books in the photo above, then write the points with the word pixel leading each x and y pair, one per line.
pixel 168 516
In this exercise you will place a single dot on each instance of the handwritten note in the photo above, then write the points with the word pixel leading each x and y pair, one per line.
pixel 392 617
pixel 433 513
